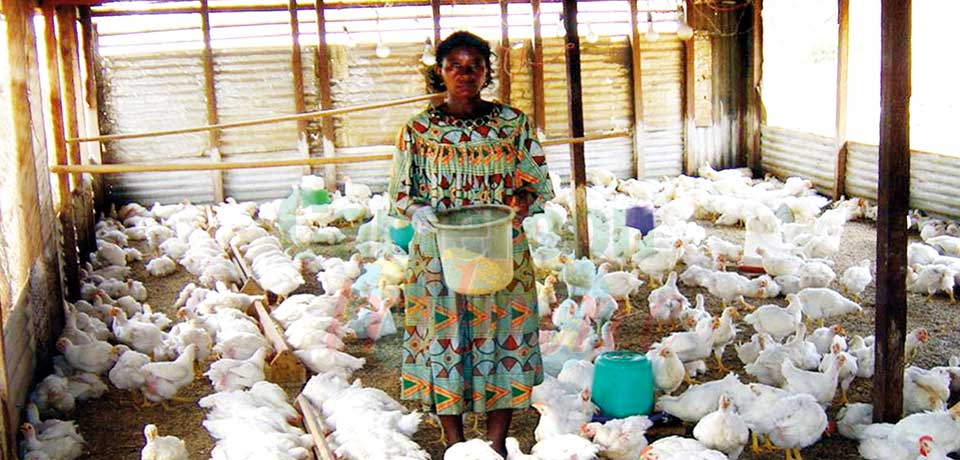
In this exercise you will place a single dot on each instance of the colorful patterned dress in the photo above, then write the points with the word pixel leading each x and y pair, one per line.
pixel 469 353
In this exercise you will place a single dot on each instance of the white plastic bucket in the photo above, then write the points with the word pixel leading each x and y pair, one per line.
pixel 476 248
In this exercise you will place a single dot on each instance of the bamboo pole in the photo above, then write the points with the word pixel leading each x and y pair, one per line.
pixel 840 137
pixel 69 71
pixel 536 71
pixel 210 92
pixel 503 71
pixel 56 102
pixel 261 121
pixel 326 98
pixel 689 98
pixel 578 170
pixel 296 65
pixel 173 167
pixel 91 93
pixel 637 94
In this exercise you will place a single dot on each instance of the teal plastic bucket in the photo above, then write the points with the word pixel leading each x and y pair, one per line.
pixel 623 384
pixel 314 196
pixel 401 236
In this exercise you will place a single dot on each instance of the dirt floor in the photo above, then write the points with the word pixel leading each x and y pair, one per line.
pixel 112 425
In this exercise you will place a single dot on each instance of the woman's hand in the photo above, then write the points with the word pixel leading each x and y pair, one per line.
pixel 521 204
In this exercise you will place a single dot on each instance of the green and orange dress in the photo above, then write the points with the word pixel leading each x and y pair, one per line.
pixel 469 353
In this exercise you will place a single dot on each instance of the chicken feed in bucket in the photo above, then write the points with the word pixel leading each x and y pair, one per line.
pixel 476 248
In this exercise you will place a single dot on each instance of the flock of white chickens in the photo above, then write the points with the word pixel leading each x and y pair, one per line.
pixel 796 374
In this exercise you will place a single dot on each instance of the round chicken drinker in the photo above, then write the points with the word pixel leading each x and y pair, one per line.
pixel 476 248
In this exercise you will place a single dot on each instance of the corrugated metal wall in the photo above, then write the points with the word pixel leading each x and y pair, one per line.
pixel 155 92
pixel 789 153
pixel 662 68
pixel 933 178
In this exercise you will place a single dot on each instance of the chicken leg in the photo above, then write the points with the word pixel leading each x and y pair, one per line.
pixel 720 366
pixel 746 306
pixel 769 445
pixel 627 307
pixel 476 423
pixel 754 443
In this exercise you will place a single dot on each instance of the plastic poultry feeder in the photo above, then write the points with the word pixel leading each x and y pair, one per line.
pixel 640 218
pixel 476 248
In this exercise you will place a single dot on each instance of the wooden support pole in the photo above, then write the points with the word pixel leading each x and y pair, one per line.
pixel 296 64
pixel 840 138
pixel 754 102
pixel 168 167
pixel 435 18
pixel 637 93
pixel 18 17
pixel 210 93
pixel 689 98
pixel 68 42
pixel 91 93
pixel 326 98
pixel 536 71
pixel 503 72
pixel 261 121
pixel 575 106
pixel 56 102
pixel 71 272
pixel 70 74
pixel 893 198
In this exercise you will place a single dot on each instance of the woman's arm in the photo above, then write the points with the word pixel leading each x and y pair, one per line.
pixel 532 188
pixel 403 201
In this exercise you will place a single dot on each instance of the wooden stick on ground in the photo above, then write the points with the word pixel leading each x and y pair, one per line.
pixel 250 284
pixel 285 367
pixel 316 428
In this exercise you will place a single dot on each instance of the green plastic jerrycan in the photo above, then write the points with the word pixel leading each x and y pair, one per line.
pixel 623 384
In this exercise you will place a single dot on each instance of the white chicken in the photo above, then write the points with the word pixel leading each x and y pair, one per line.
pixel 657 261
pixel 63 448
pixel 779 264
pixel 52 395
pixel 924 390
pixel 161 266
pixel 776 321
pixel 821 303
pixel 848 371
pixel 815 274
pixel 677 448
pixel 565 447
pixel 234 374
pixel 723 430
pixel 126 373
pixel 915 340
pixel 162 447
pixel 699 400
pixel 619 439
pixel 579 276
pixel 856 278
pixel 799 421
pixel 474 449
pixel 95 357
pixel 668 370
pixel 724 332
pixel 164 379
pixel 728 286
pixel 322 360
pixel 666 302
pixel 50 429
pixel 821 385
pixel 142 336
pixel 931 279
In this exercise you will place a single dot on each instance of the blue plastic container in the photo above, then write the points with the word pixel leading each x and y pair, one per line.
pixel 640 218
pixel 401 236
pixel 623 384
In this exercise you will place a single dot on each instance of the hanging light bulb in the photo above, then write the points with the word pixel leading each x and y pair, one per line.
pixel 592 36
pixel 684 31
pixel 382 51
pixel 428 58
pixel 651 35
pixel 561 28
pixel 518 44
pixel 348 40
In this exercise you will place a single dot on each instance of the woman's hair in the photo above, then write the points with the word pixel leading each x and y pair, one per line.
pixel 459 39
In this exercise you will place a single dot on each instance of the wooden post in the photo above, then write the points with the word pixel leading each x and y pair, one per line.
pixel 70 72
pixel 637 81
pixel 296 63
pixel 71 272
pixel 210 92
pixel 435 17
pixel 689 98
pixel 843 48
pixel 18 17
pixel 755 104
pixel 575 102
pixel 503 72
pixel 326 98
pixel 536 71
pixel 893 197
pixel 91 92
pixel 67 40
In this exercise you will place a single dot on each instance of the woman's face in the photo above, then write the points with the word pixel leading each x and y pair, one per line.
pixel 464 72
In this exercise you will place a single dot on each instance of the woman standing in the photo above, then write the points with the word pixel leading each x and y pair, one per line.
pixel 468 353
